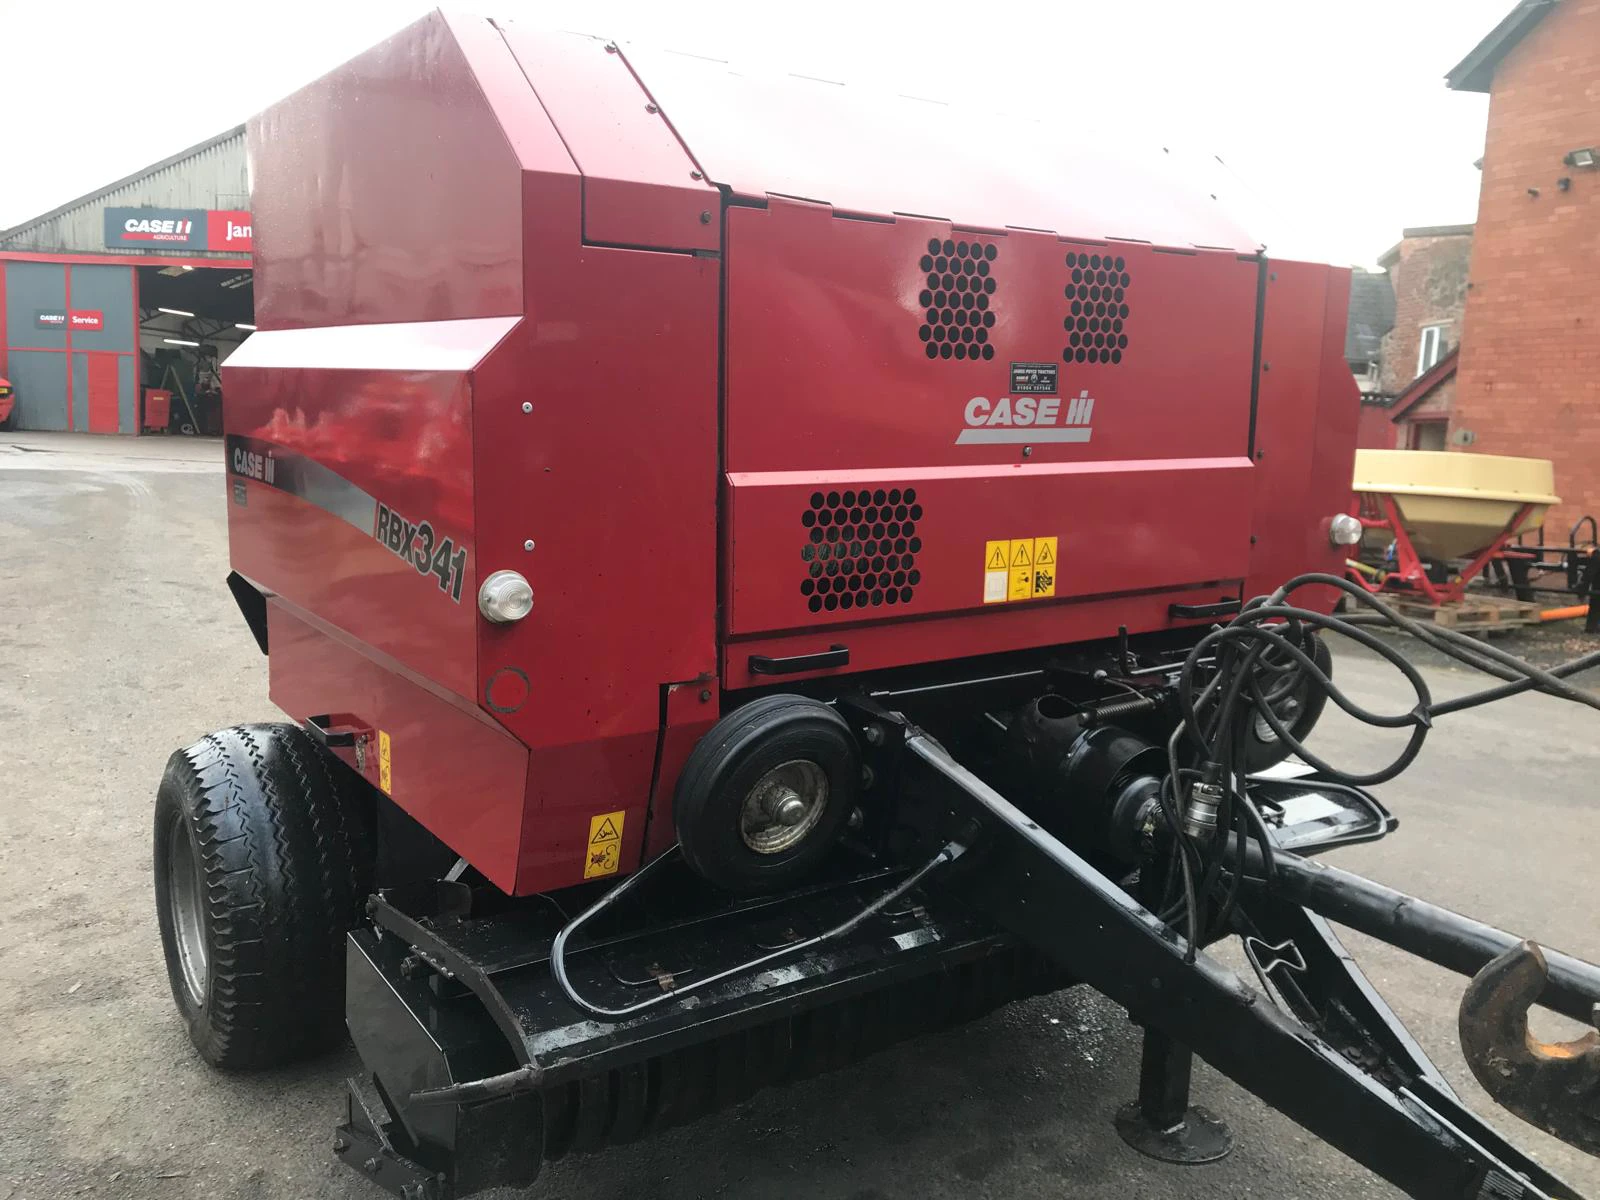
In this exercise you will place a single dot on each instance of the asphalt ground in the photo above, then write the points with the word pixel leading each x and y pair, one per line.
pixel 119 642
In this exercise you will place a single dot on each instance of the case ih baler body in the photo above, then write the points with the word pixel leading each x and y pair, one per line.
pixel 639 310
pixel 862 466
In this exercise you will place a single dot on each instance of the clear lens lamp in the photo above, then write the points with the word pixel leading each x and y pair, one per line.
pixel 1344 530
pixel 505 597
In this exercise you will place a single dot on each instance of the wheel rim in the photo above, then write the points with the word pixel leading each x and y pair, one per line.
pixel 1286 710
pixel 783 807
pixel 185 889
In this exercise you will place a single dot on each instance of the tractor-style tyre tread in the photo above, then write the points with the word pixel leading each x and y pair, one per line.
pixel 285 852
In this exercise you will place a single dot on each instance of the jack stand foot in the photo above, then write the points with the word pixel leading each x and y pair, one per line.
pixel 1198 1137
pixel 1161 1123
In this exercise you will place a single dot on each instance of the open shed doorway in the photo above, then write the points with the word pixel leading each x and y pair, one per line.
pixel 191 318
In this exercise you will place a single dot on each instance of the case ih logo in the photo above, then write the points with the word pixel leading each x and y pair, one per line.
pixel 139 229
pixel 180 228
pixel 1027 419
pixel 254 465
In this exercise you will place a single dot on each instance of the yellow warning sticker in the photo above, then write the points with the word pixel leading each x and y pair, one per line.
pixel 385 763
pixel 603 854
pixel 996 571
pixel 1019 569
pixel 1044 567
pixel 1020 586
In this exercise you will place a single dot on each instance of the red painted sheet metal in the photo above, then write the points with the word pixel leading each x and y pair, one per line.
pixel 440 751
pixel 1016 627
pixel 612 475
pixel 1305 427
pixel 384 415
pixel 859 151
pixel 641 188
pixel 827 342
pixel 431 228
pixel 1116 524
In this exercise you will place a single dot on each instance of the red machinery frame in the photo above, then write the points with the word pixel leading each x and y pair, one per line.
pixel 642 310
pixel 1411 574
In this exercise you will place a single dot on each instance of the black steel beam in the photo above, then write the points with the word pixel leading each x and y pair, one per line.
pixel 1032 884
pixel 1445 938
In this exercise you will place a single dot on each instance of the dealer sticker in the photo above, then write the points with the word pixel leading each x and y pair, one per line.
pixel 1034 379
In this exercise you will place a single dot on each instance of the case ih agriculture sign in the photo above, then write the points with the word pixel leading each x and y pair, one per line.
pixel 178 228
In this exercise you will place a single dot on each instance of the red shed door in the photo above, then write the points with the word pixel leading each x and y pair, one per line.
pixel 102 380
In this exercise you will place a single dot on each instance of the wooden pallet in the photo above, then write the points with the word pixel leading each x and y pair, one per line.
pixel 1478 613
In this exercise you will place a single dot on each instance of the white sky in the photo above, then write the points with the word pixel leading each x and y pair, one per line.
pixel 1332 114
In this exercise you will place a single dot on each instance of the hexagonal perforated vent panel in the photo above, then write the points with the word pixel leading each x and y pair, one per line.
pixel 1097 299
pixel 955 302
pixel 861 548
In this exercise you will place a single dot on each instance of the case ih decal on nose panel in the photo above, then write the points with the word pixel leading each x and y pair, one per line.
pixel 1027 419
pixel 415 542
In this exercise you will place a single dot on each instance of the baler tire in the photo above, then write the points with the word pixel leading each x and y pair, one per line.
pixel 726 764
pixel 1260 752
pixel 281 846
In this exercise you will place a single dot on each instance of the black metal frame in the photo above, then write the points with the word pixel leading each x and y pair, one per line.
pixel 1334 1059
pixel 1579 563
pixel 482 1066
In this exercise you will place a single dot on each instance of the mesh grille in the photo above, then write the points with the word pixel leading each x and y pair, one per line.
pixel 960 280
pixel 1097 308
pixel 861 548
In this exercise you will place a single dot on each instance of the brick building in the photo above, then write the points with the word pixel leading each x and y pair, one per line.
pixel 1529 376
pixel 1409 406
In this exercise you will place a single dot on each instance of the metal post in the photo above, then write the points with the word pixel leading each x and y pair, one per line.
pixel 1160 1123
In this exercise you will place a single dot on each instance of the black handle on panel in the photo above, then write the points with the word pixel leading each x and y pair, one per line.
pixel 321 728
pixel 1226 607
pixel 833 656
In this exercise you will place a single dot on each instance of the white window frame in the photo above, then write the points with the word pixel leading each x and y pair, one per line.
pixel 1430 347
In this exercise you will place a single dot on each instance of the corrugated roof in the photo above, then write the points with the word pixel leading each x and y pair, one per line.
pixel 20 230
pixel 1475 72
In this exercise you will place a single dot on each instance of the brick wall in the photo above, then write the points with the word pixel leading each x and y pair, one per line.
pixel 1529 382
pixel 1438 403
pixel 1429 275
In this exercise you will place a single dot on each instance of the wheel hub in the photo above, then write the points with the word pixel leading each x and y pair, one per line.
pixel 783 807
pixel 185 891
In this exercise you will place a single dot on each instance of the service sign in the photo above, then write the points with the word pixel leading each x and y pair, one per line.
pixel 178 229
pixel 82 320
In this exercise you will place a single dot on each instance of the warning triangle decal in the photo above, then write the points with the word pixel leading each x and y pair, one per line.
pixel 606 833
pixel 997 561
pixel 1022 557
pixel 1045 557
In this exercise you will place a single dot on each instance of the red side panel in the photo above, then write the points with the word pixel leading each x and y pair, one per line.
pixel 1306 421
pixel 346 232
pixel 349 425
pixel 441 752
pixel 640 187
pixel 860 150
pixel 1020 386
pixel 612 476
pixel 1116 526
